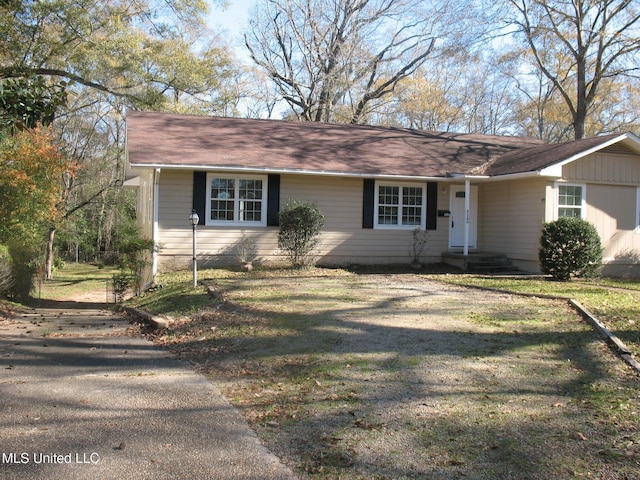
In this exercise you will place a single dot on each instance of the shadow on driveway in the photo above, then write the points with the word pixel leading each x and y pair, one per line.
pixel 81 398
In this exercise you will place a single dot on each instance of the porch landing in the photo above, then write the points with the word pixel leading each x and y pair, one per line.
pixel 480 262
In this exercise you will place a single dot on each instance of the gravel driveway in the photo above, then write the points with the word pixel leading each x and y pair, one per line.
pixel 397 376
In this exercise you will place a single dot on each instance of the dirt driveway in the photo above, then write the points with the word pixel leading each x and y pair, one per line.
pixel 398 376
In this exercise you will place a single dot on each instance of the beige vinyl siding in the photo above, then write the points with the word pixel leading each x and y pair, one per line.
pixel 144 203
pixel 612 209
pixel 604 168
pixel 611 178
pixel 144 211
pixel 510 218
pixel 343 239
pixel 214 244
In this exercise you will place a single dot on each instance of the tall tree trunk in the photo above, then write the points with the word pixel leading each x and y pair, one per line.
pixel 580 116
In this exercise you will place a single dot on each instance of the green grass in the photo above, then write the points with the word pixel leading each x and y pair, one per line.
pixel 74 279
pixel 616 303
pixel 177 297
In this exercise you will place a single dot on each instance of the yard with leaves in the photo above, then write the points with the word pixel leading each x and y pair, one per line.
pixel 383 376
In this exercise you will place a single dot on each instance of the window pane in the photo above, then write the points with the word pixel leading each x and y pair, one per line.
pixel 222 195
pixel 412 205
pixel 237 199
pixel 411 215
pixel 569 201
pixel 569 212
pixel 387 215
pixel 388 201
pixel 388 195
pixel 250 193
pixel 250 189
pixel 250 211
pixel 222 210
pixel 223 188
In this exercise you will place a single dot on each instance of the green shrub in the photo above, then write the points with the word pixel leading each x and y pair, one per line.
pixel 6 271
pixel 135 257
pixel 570 247
pixel 300 226
pixel 121 283
pixel 25 260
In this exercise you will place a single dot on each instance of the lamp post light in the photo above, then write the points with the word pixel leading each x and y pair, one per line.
pixel 194 219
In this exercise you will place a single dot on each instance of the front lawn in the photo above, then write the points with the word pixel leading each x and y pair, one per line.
pixel 76 279
pixel 353 376
pixel 616 303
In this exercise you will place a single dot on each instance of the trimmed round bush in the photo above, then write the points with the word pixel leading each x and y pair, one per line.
pixel 300 225
pixel 570 247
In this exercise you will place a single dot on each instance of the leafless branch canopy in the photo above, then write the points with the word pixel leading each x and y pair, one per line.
pixel 330 59
pixel 577 44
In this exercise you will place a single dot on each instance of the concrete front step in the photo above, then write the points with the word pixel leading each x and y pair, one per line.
pixel 479 262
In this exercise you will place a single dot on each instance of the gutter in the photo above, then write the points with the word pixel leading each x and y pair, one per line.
pixel 516 176
pixel 448 178
pixel 293 171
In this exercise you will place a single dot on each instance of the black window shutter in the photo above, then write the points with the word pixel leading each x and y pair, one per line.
pixel 432 205
pixel 200 195
pixel 273 200
pixel 368 202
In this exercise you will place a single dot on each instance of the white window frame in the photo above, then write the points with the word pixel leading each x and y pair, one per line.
pixel 583 186
pixel 399 225
pixel 237 201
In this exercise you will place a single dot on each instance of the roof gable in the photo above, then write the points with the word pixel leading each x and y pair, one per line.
pixel 549 159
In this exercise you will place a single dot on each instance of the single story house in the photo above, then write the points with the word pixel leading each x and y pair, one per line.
pixel 472 193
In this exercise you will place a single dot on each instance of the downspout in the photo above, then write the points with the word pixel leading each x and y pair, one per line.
pixel 467 204
pixel 155 234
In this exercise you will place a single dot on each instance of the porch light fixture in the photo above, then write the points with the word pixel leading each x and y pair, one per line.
pixel 194 219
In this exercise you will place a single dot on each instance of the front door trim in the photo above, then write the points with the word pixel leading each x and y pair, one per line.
pixel 463 220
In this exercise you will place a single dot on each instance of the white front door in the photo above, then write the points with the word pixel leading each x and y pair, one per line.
pixel 458 216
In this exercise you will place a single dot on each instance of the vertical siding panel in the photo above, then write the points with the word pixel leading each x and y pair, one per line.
pixel 144 204
pixel 604 168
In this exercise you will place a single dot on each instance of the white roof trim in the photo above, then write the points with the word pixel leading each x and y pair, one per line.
pixel 555 170
pixel 510 176
pixel 132 182
pixel 292 171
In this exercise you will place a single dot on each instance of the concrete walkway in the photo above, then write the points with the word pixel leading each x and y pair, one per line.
pixel 79 399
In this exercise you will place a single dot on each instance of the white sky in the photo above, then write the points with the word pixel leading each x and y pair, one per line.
pixel 231 20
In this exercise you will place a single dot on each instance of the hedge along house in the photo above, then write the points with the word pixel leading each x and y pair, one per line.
pixel 473 193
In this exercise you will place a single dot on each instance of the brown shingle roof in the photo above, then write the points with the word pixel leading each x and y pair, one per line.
pixel 172 140
pixel 542 156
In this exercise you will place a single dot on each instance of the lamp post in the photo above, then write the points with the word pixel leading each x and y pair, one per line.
pixel 194 219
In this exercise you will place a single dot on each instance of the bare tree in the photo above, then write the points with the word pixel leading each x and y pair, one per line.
pixel 579 45
pixel 332 59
